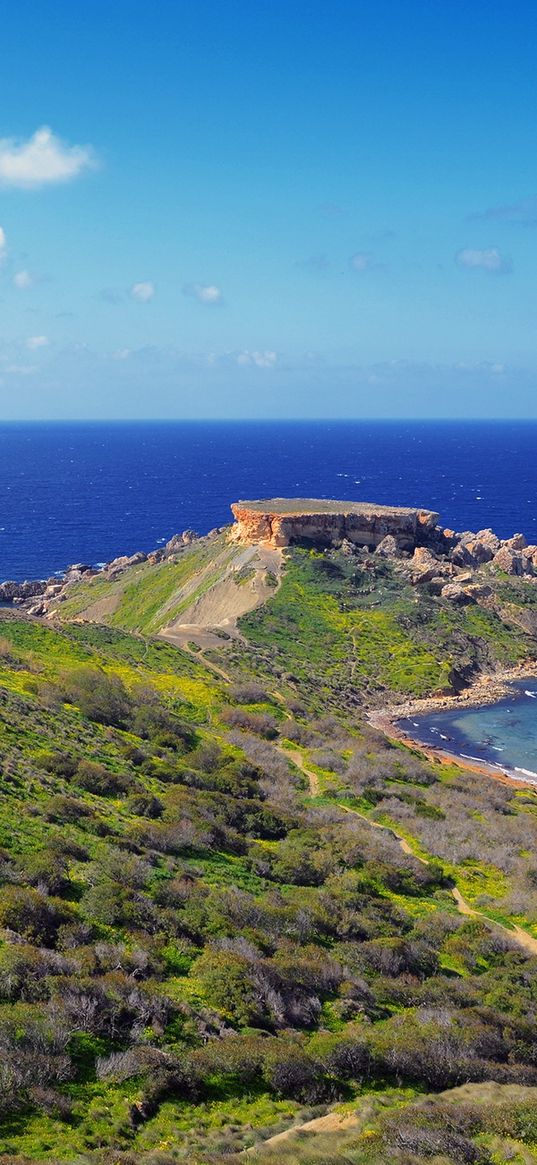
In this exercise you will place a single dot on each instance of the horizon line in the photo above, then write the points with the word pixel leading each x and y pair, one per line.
pixel 261 420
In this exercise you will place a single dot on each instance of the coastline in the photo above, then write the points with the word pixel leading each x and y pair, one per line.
pixel 487 689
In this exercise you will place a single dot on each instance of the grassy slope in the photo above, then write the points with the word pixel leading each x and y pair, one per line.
pixel 334 631
pixel 148 596
pixel 357 630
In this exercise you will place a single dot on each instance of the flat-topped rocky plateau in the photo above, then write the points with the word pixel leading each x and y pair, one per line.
pixel 286 521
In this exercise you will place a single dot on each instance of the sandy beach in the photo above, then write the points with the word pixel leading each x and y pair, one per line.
pixel 488 689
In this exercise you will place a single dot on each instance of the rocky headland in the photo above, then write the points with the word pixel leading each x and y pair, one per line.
pixel 448 562
pixel 281 522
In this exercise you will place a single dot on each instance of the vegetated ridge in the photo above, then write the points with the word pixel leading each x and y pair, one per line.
pixel 230 906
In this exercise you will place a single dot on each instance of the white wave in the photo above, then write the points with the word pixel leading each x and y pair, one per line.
pixel 532 694
pixel 444 737
pixel 526 772
pixel 496 748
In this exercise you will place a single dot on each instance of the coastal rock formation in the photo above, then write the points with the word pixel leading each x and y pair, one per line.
pixel 512 561
pixel 427 567
pixel 279 522
pixel 388 548
pixel 440 561
pixel 11 591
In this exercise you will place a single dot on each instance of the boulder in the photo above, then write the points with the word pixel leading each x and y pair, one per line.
pixel 125 560
pixel 443 540
pixel 424 566
pixel 436 585
pixel 512 561
pixel 387 547
pixel 462 556
pixel 37 609
pixel 178 542
pixel 455 593
pixel 478 591
pixel 517 542
pixel 488 538
pixel 19 591
pixel 8 590
pixel 175 545
pixel 483 546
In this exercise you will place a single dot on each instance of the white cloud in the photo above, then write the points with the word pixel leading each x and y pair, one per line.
pixel 20 369
pixel 143 292
pixel 121 354
pixel 523 212
pixel 364 261
pixel 42 160
pixel 23 280
pixel 34 342
pixel 494 368
pixel 265 359
pixel 3 244
pixel 490 259
pixel 361 261
pixel 206 293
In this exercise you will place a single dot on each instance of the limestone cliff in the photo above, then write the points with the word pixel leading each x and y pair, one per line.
pixel 283 521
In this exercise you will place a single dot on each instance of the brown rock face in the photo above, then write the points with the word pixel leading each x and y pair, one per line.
pixel 284 521
pixel 512 561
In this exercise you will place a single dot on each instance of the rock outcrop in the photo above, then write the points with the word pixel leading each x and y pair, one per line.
pixel 11 591
pixel 455 566
pixel 282 522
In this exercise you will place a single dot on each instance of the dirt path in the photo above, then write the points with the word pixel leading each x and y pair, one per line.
pixel 522 937
pixel 199 657
pixel 220 594
pixel 298 760
pixel 403 843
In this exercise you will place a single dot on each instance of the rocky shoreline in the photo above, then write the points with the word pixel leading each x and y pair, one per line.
pixel 487 689
pixel 444 561
pixel 34 595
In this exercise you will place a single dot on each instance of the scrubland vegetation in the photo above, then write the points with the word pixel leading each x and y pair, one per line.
pixel 206 938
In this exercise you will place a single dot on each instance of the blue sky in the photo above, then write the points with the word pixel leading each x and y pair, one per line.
pixel 242 208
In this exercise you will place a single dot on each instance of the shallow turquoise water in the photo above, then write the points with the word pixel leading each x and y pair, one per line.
pixel 502 734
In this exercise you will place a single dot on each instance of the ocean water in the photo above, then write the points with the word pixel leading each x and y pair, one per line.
pixel 87 492
pixel 502 734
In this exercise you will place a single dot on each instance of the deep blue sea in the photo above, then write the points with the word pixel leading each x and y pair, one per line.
pixel 87 492
pixel 502 734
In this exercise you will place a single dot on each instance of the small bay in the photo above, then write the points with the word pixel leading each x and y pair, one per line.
pixel 503 734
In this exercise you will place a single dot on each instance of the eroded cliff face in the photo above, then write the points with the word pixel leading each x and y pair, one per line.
pixel 330 523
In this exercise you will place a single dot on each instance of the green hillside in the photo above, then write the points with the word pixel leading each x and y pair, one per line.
pixel 230 907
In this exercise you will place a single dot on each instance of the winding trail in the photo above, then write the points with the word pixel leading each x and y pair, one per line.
pixel 197 655
pixel 521 937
